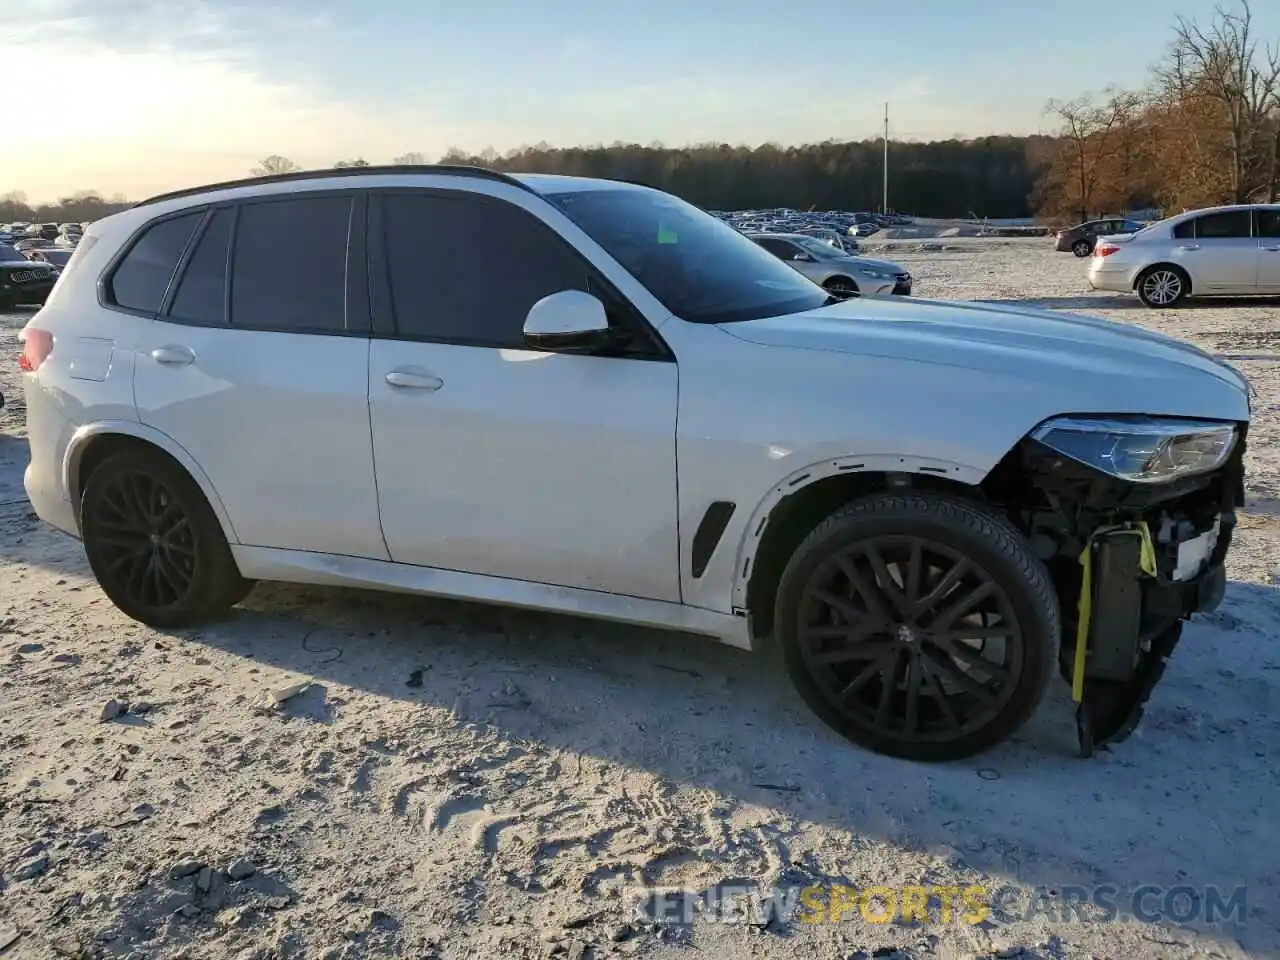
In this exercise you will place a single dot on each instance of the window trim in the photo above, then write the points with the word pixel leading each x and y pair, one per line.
pixel 1249 212
pixel 649 346
pixel 103 285
pixel 356 302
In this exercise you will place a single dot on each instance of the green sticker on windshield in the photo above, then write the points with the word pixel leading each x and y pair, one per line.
pixel 666 234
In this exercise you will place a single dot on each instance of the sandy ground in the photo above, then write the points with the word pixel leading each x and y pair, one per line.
pixel 466 781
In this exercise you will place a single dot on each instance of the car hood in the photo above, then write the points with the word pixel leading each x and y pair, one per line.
pixel 1091 364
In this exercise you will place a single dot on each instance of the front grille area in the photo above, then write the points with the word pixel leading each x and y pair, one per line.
pixel 902 283
pixel 26 276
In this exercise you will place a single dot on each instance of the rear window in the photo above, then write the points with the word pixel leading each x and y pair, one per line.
pixel 140 280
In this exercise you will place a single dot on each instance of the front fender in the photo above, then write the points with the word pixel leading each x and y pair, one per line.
pixel 749 543
pixel 84 437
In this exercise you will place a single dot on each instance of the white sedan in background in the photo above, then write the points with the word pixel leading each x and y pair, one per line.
pixel 1221 251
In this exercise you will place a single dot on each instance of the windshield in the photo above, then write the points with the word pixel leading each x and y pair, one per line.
pixel 698 267
pixel 8 253
pixel 819 248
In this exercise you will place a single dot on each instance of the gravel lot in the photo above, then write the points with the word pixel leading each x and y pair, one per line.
pixel 464 781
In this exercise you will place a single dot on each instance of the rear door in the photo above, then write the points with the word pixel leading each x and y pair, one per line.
pixel 1267 221
pixel 1219 252
pixel 256 362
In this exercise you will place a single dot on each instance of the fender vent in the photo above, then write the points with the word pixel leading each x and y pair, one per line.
pixel 708 534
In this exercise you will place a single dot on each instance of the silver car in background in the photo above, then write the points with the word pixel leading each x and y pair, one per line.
pixel 1220 251
pixel 840 273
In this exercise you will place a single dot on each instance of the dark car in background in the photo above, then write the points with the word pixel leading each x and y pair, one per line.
pixel 1082 238
pixel 23 281
pixel 56 257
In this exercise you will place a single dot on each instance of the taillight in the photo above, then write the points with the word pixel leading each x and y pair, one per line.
pixel 37 344
pixel 1105 249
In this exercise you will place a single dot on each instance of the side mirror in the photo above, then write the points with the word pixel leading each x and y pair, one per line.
pixel 569 321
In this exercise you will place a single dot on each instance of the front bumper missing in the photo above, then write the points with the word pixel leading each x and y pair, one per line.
pixel 1130 625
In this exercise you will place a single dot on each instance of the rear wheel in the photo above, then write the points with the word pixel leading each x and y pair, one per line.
pixel 841 287
pixel 1163 286
pixel 920 627
pixel 154 544
pixel 1082 248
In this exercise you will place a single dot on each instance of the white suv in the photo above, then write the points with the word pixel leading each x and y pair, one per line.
pixel 592 397
pixel 1221 251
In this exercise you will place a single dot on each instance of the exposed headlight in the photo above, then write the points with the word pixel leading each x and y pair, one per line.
pixel 1140 449
pixel 877 274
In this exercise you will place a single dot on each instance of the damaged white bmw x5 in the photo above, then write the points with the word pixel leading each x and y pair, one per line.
pixel 592 397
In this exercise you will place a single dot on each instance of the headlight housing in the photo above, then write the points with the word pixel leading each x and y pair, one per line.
pixel 876 274
pixel 1140 449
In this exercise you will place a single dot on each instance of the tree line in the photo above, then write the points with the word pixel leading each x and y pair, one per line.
pixel 1204 130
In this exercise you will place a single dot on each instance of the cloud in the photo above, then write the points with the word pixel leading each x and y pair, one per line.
pixel 122 107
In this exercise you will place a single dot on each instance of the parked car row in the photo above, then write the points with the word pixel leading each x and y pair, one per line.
pixel 25 280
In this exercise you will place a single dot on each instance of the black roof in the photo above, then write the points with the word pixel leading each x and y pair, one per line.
pixel 433 168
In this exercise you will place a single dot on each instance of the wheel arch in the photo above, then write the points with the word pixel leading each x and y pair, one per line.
pixel 803 499
pixel 92 443
pixel 1142 271
pixel 841 278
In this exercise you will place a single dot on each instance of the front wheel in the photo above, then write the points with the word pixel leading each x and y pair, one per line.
pixel 841 287
pixel 1163 286
pixel 920 627
pixel 154 544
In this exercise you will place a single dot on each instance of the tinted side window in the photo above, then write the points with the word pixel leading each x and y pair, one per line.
pixel 142 277
pixel 202 291
pixel 1222 226
pixel 466 270
pixel 779 248
pixel 289 269
pixel 1186 230
pixel 1269 223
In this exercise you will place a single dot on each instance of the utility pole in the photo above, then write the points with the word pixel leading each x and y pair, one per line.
pixel 885 202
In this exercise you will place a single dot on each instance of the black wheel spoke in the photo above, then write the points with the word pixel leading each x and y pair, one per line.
pixel 939 591
pixel 890 632
pixel 950 671
pixel 884 581
pixel 911 720
pixel 939 695
pixel 870 597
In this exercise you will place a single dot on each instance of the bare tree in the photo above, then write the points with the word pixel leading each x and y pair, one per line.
pixel 344 164
pixel 275 164
pixel 1222 66
pixel 1095 133
pixel 411 159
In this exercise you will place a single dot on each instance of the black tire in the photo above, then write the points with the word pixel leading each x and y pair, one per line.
pixel 154 543
pixel 841 286
pixel 1162 286
pixel 961 536
pixel 1082 248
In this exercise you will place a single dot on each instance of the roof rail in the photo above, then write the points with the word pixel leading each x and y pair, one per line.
pixel 431 168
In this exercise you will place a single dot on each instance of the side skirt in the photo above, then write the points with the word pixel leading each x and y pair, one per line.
pixel 325 569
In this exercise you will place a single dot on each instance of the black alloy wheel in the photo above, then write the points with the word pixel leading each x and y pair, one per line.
pixel 908 640
pixel 153 542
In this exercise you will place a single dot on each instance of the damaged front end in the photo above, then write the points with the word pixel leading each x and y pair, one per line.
pixel 1133 518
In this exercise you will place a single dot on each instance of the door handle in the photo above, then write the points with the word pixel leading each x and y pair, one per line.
pixel 1275 249
pixel 414 380
pixel 1188 246
pixel 173 356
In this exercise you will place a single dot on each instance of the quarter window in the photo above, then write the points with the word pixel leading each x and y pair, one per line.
pixel 289 269
pixel 466 270
pixel 140 281
pixel 202 291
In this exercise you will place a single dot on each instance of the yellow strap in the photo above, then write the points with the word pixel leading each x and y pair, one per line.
pixel 1085 609
pixel 1147 563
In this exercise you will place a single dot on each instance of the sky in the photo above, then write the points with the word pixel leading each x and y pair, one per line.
pixel 141 96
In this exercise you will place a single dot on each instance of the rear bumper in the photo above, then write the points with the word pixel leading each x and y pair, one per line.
pixel 49 434
pixel 1116 279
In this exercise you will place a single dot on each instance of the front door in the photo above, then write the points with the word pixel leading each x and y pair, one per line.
pixel 499 460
